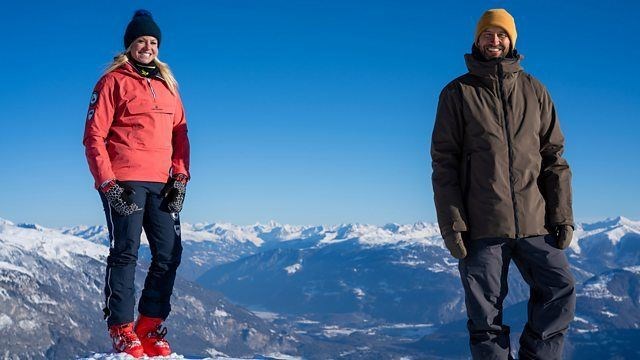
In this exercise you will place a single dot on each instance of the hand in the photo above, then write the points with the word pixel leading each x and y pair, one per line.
pixel 564 235
pixel 119 197
pixel 174 191
pixel 454 243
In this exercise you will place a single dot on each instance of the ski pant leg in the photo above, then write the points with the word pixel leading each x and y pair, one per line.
pixel 484 277
pixel 163 232
pixel 552 298
pixel 124 238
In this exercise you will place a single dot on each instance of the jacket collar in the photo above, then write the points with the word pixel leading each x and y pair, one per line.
pixel 129 69
pixel 490 67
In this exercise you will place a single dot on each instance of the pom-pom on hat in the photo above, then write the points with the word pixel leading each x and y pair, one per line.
pixel 500 18
pixel 141 24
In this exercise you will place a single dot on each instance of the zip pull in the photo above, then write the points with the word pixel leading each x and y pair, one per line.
pixel 153 92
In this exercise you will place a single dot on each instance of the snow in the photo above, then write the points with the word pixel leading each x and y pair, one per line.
pixel 196 304
pixel 436 268
pixel 333 331
pixel 598 289
pixel 129 357
pixel 292 269
pixel 174 356
pixel 28 325
pixel 266 315
pixel 421 233
pixel 359 293
pixel 410 263
pixel 390 234
pixel 51 244
pixel 5 321
pixel 10 267
pixel 220 313
pixel 41 299
pixel 633 269
pixel 614 229
pixel 220 232
pixel 579 319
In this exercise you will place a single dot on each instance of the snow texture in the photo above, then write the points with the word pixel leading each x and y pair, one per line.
pixel 174 356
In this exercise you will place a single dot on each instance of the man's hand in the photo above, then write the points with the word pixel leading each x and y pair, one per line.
pixel 119 197
pixel 174 191
pixel 454 243
pixel 564 235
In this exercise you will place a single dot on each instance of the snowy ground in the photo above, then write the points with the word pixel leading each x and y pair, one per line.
pixel 128 357
pixel 175 356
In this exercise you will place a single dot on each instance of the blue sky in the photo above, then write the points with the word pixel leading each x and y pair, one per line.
pixel 310 112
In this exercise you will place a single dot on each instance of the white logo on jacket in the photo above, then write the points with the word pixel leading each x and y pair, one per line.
pixel 94 98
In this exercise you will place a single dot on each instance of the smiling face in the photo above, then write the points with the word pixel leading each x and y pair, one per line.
pixel 144 49
pixel 494 43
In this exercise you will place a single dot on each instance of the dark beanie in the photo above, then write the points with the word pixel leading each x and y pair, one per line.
pixel 142 24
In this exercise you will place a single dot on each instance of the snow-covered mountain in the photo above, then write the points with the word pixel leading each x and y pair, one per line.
pixel 610 244
pixel 365 291
pixel 51 291
pixel 392 272
pixel 402 274
pixel 208 245
pixel 204 245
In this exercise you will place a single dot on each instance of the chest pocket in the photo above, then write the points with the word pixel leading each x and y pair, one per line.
pixel 150 124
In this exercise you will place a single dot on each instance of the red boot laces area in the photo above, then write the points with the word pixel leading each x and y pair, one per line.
pixel 125 340
pixel 154 343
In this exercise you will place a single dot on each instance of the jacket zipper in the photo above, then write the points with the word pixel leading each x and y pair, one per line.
pixel 153 92
pixel 467 178
pixel 509 146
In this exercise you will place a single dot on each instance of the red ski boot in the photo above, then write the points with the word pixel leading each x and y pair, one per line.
pixel 125 340
pixel 151 334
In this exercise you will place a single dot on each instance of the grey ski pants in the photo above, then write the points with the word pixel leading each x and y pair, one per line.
pixel 551 304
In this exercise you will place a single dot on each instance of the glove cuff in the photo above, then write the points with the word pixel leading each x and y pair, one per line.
pixel 181 178
pixel 107 185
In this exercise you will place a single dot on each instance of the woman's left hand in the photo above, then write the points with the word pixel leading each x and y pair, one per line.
pixel 174 191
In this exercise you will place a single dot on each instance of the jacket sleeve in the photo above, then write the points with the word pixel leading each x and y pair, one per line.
pixel 97 125
pixel 555 174
pixel 446 159
pixel 180 142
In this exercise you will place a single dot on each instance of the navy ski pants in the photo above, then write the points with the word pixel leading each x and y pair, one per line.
pixel 163 232
pixel 551 304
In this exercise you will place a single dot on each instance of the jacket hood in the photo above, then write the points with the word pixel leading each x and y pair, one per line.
pixel 479 67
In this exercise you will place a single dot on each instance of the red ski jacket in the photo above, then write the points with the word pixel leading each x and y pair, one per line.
pixel 135 129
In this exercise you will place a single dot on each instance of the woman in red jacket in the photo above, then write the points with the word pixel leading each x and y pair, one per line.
pixel 138 153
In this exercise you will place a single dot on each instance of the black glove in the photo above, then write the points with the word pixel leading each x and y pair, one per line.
pixel 174 191
pixel 119 197
pixel 564 235
pixel 454 243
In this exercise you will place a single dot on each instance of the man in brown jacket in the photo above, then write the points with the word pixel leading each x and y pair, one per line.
pixel 503 192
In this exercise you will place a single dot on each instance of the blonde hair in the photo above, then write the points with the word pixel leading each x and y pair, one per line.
pixel 163 68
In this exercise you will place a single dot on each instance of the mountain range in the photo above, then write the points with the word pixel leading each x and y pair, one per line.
pixel 349 291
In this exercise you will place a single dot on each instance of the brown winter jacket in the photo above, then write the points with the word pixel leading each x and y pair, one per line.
pixel 496 154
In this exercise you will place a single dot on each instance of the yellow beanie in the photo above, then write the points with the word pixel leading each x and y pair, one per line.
pixel 501 18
